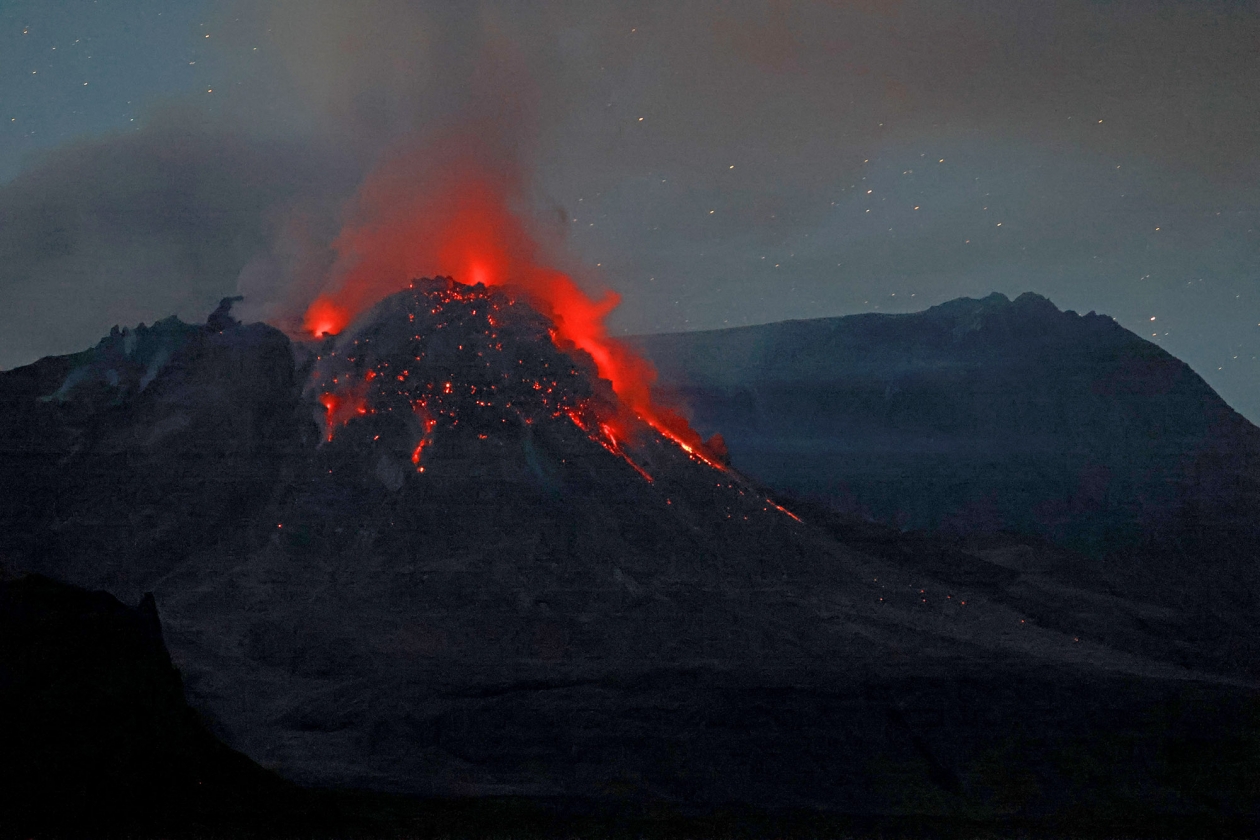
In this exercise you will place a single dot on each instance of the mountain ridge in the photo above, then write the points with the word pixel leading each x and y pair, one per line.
pixel 1123 439
pixel 552 608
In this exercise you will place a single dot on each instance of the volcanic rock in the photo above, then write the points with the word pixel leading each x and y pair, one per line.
pixel 121 460
pixel 435 555
pixel 979 416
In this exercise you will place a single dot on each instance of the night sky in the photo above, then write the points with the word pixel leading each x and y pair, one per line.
pixel 715 163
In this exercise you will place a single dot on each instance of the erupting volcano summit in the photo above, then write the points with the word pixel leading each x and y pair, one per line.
pixel 444 366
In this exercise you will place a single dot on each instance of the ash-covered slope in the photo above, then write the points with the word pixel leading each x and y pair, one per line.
pixel 474 524
pixel 437 556
pixel 980 415
pixel 117 461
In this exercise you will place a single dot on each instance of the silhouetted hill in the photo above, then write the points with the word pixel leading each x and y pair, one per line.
pixel 97 736
pixel 144 446
pixel 432 556
pixel 978 416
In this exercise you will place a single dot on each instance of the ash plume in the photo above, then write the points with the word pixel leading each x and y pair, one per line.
pixel 677 145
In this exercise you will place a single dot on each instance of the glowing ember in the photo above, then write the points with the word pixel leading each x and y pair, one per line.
pixel 461 226
pixel 443 363
pixel 428 423
pixel 342 407
pixel 782 509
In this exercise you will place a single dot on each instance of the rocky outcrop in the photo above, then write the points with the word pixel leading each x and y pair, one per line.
pixel 147 446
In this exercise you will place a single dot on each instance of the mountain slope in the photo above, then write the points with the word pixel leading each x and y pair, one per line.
pixel 980 415
pixel 434 556
pixel 144 447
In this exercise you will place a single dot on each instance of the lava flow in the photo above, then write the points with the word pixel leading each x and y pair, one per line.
pixel 470 369
pixel 452 358
pixel 462 227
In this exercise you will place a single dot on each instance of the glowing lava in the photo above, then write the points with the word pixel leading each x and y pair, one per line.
pixel 428 423
pixel 325 318
pixel 460 225
pixel 343 405
pixel 442 366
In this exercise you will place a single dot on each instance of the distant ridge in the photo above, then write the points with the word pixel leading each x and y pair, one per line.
pixel 979 415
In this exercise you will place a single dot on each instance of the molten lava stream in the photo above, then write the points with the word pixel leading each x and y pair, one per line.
pixel 461 225
pixel 782 509
pixel 693 451
pixel 456 219
pixel 610 443
pixel 427 422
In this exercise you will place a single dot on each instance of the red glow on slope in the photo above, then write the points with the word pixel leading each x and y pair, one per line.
pixel 343 406
pixel 428 422
pixel 782 509
pixel 459 224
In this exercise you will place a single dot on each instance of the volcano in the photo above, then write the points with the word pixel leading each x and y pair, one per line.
pixel 436 555
pixel 446 361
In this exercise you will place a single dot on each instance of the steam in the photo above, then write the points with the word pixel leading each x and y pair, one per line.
pixel 440 109
pixel 658 149
pixel 453 207
pixel 456 201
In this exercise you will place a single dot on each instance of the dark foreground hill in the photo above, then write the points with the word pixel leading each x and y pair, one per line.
pixel 99 742
pixel 431 558
pixel 96 731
